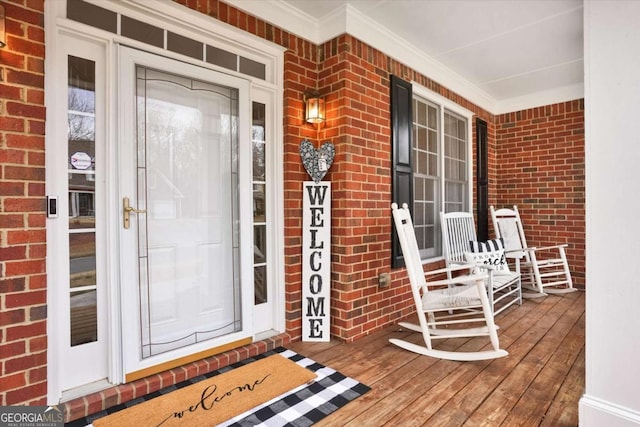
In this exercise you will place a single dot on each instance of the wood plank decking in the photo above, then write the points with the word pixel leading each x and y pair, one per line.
pixel 538 384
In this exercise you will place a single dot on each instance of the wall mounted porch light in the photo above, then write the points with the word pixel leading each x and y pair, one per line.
pixel 3 36
pixel 314 108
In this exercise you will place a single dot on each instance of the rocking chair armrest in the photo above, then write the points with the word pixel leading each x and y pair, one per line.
pixel 456 265
pixel 516 253
pixel 459 280
pixel 487 267
pixel 544 248
pixel 452 268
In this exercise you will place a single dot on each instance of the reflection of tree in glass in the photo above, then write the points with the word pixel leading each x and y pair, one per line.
pixel 174 147
pixel 81 116
pixel 258 119
pixel 187 132
pixel 182 138
pixel 258 161
pixel 81 100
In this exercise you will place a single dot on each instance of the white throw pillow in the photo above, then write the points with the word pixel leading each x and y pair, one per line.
pixel 494 258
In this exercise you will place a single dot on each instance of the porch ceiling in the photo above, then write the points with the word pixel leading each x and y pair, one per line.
pixel 502 55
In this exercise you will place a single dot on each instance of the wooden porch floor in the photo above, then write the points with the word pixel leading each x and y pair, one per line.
pixel 538 384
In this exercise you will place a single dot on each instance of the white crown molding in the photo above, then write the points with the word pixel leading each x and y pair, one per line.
pixel 377 36
pixel 333 24
pixel 539 99
pixel 349 20
pixel 282 15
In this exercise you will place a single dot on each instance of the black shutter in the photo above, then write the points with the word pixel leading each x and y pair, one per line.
pixel 401 146
pixel 482 183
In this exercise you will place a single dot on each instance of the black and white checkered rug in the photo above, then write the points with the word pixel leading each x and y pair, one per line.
pixel 299 407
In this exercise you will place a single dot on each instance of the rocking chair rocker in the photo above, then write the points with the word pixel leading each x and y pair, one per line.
pixel 467 300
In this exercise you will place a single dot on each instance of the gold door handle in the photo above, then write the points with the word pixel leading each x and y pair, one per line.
pixel 126 212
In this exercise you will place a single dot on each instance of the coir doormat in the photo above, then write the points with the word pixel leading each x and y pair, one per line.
pixel 302 406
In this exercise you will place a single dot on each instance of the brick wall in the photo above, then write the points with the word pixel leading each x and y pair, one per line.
pixel 301 75
pixel 354 78
pixel 357 86
pixel 540 167
pixel 23 311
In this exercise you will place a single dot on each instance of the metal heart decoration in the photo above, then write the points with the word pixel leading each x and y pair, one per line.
pixel 317 162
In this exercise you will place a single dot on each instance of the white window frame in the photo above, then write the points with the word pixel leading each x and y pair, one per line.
pixel 443 105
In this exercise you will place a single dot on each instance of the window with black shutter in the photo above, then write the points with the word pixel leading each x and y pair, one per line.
pixel 431 161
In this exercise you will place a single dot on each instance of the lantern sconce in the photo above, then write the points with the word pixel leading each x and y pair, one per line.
pixel 3 36
pixel 314 108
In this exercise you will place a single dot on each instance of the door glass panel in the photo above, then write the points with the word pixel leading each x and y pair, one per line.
pixel 82 220
pixel 259 204
pixel 84 328
pixel 188 221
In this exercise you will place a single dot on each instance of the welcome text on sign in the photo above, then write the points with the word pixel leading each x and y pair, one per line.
pixel 316 254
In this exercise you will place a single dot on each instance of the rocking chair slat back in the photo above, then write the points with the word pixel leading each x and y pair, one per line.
pixel 460 229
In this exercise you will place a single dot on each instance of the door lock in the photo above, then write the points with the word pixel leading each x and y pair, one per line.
pixel 126 212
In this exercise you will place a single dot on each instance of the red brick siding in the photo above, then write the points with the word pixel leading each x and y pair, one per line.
pixel 301 75
pixel 540 167
pixel 23 348
pixel 354 78
pixel 357 87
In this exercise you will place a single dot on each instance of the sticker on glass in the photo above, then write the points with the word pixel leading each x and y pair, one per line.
pixel 81 160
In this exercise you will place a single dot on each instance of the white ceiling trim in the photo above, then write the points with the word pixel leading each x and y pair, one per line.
pixel 332 25
pixel 539 99
pixel 375 35
pixel 347 19
pixel 281 15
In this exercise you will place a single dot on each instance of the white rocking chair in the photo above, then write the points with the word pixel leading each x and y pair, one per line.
pixel 433 305
pixel 458 231
pixel 545 269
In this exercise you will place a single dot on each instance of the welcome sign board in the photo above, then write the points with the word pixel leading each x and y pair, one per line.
pixel 316 260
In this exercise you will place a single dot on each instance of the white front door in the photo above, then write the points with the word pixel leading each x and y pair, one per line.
pixel 186 231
